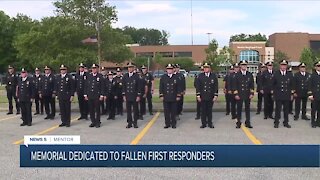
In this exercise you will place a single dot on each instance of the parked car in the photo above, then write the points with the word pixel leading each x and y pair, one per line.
pixel 222 74
pixel 158 73
pixel 193 73
pixel 184 72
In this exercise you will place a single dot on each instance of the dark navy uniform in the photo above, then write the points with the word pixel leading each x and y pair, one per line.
pixel 170 90
pixel 110 93
pixel 149 78
pixel 301 81
pixel 195 84
pixel 11 82
pixel 207 89
pixel 26 92
pixel 81 78
pixel 119 97
pixel 228 92
pixel 283 89
pixel 259 88
pixel 38 101
pixel 48 94
pixel 267 83
pixel 182 82
pixel 314 91
pixel 244 88
pixel 131 90
pixel 231 81
pixel 144 91
pixel 65 89
pixel 94 91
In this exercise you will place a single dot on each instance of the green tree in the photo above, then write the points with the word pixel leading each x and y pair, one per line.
pixel 184 62
pixel 212 54
pixel 145 36
pixel 307 57
pixel 139 61
pixel 279 56
pixel 7 51
pixel 248 37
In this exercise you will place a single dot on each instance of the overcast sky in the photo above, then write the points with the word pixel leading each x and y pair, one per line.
pixel 221 18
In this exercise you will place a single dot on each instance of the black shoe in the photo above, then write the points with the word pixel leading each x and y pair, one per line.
pixel 36 113
pixel 135 126
pixel 197 118
pixel 151 113
pixel 265 117
pixel 227 114
pixel 234 118
pixel 203 126
pixel 276 126
pixel 129 126
pixel 23 124
pixel 249 126
pixel 238 125
pixel 80 118
pixel 211 126
pixel 313 126
pixel 29 124
pixel 109 118
pixel 141 118
pixel 290 112
pixel 46 117
pixel 61 125
pixel 177 118
pixel 68 125
pixel 166 127
pixel 174 127
pixel 258 112
pixel 18 112
pixel 287 125
pixel 271 117
pixel 91 125
pixel 9 113
pixel 295 118
pixel 305 118
pixel 98 125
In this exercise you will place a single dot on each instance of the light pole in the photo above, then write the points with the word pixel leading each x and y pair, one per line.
pixel 209 33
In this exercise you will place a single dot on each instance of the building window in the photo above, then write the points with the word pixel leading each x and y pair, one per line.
pixel 166 54
pixel 250 55
pixel 144 54
pixel 182 54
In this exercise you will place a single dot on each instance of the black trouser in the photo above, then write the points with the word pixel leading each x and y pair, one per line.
pixel 26 112
pixel 49 101
pixel 247 110
pixel 170 111
pixel 298 106
pixel 130 105
pixel 198 109
pixel 206 113
pixel 279 105
pixel 11 93
pixel 83 106
pixel 149 99
pixel 119 104
pixel 228 102
pixel 259 104
pixel 233 106
pixel 103 108
pixel 180 105
pixel 110 102
pixel 94 107
pixel 268 104
pixel 65 111
pixel 39 103
pixel 290 106
pixel 142 106
pixel 315 111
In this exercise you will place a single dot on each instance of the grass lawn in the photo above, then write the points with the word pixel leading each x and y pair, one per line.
pixel 189 82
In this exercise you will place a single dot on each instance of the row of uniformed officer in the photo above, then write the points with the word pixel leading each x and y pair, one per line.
pixel 314 96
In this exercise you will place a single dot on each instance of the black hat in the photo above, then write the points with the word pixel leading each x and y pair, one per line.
pixel 130 64
pixel 201 67
pixel 284 62
pixel 110 73
pixel 177 66
pixel 47 68
pixel 206 65
pixel 169 66
pixel 63 67
pixel 262 65
pixel 37 69
pixel 103 68
pixel 236 65
pixel 317 64
pixel 81 65
pixel 302 65
pixel 23 70
pixel 243 62
pixel 143 67
pixel 231 68
pixel 10 67
pixel 269 63
pixel 95 66
pixel 118 69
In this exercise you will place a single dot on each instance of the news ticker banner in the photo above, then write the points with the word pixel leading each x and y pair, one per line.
pixel 169 156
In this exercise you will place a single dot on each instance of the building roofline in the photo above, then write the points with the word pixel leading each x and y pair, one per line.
pixel 248 42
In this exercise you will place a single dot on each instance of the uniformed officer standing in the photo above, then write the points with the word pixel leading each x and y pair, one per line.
pixel 103 104
pixel 110 92
pixel 38 101
pixel 301 81
pixel 182 82
pixel 94 94
pixel 207 94
pixel 291 101
pixel 227 90
pixel 267 80
pixel 48 94
pixel 259 87
pixel 144 91
pixel 131 94
pixel 118 96
pixel 198 103
pixel 314 96
pixel 65 88
pixel 81 78
pixel 25 93
pixel 170 93
pixel 150 84
pixel 283 90
pixel 11 87
pixel 232 96
pixel 244 92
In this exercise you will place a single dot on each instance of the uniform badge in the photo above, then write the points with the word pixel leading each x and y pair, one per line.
pixel 98 79
pixel 50 79
pixel 120 84
pixel 175 81
pixel 67 79
pixel 12 75
pixel 84 77
pixel 39 79
pixel 27 82
pixel 212 80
